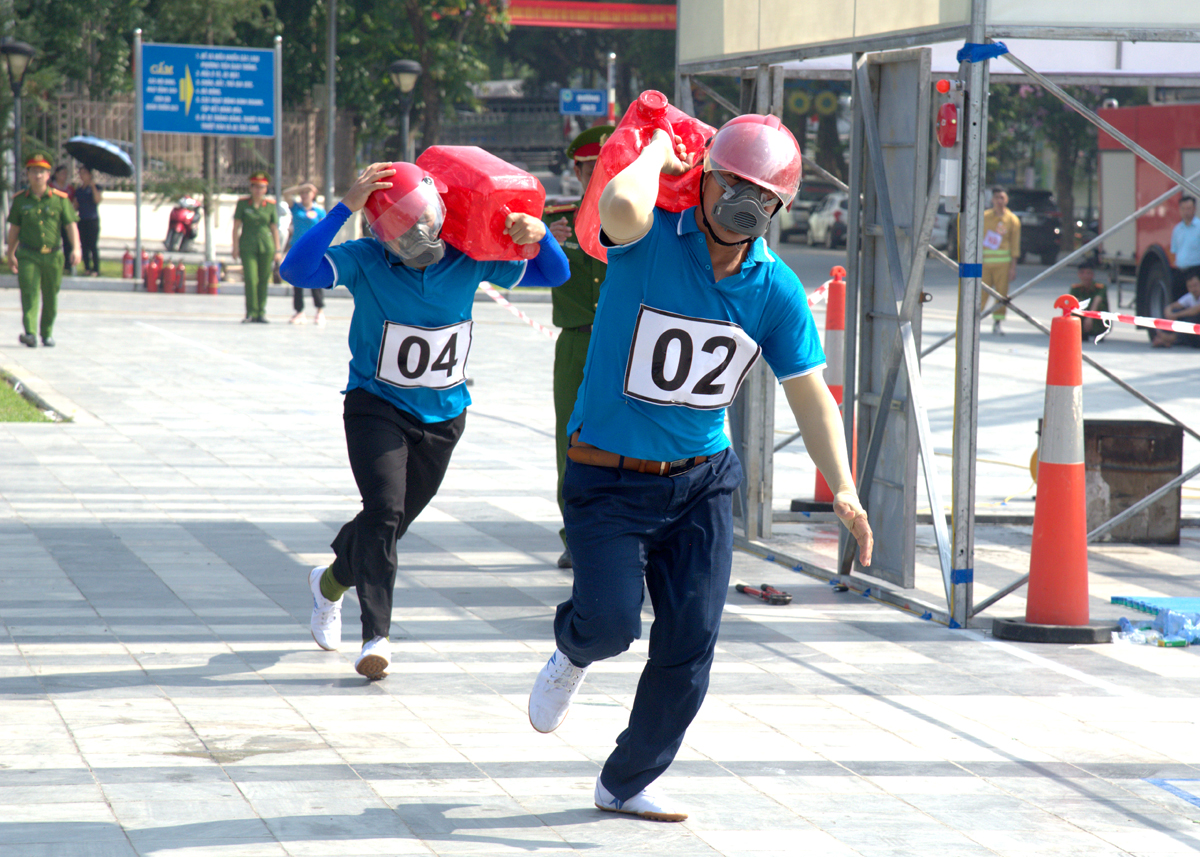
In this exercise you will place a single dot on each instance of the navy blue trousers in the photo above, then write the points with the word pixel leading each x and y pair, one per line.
pixel 674 535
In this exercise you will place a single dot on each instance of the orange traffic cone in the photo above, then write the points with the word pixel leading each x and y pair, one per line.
pixel 1057 607
pixel 835 358
pixel 835 375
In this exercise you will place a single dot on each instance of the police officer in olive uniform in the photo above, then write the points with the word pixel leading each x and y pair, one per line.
pixel 574 302
pixel 36 221
pixel 256 242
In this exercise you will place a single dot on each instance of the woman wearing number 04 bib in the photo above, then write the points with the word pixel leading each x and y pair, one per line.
pixel 406 400
pixel 690 302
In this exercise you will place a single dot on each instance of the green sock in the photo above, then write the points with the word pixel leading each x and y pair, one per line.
pixel 330 587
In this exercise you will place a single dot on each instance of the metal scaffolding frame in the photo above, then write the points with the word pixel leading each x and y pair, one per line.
pixel 956 548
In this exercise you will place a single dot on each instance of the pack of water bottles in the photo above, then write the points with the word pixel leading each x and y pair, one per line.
pixel 1169 629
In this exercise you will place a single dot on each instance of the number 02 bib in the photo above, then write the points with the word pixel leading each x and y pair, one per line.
pixel 422 356
pixel 694 362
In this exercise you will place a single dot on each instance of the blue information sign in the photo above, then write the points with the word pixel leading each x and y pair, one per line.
pixel 582 102
pixel 201 89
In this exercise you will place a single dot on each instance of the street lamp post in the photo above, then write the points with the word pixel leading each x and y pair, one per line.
pixel 404 74
pixel 17 55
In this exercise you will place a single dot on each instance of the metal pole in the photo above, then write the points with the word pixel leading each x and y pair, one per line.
pixel 1133 391
pixel 1070 257
pixel 18 167
pixel 404 129
pixel 1099 531
pixel 137 157
pixel 612 88
pixel 847 549
pixel 904 351
pixel 966 359
pixel 279 124
pixel 683 98
pixel 715 96
pixel 1090 116
pixel 331 103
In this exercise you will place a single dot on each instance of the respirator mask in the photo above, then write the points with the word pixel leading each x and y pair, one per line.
pixel 420 246
pixel 744 208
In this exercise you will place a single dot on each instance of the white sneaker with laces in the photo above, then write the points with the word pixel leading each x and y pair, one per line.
pixel 326 622
pixel 553 690
pixel 648 803
pixel 374 659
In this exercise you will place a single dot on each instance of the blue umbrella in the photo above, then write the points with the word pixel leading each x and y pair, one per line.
pixel 100 155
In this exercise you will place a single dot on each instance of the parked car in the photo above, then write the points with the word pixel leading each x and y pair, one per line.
pixel 1041 224
pixel 827 223
pixel 795 222
pixel 940 238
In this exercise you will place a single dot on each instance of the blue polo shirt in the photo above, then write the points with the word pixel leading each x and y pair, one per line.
pixel 670 346
pixel 304 219
pixel 422 317
pixel 1185 243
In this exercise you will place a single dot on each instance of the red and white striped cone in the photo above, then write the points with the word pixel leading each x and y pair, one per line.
pixel 835 359
pixel 1057 607
pixel 834 293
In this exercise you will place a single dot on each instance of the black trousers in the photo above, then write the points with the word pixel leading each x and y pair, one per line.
pixel 298 298
pixel 398 463
pixel 89 234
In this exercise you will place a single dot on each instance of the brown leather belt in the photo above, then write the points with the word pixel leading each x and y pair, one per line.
pixel 585 453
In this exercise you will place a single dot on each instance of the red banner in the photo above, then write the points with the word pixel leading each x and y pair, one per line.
pixel 600 16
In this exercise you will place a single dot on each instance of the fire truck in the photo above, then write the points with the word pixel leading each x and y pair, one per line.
pixel 1137 255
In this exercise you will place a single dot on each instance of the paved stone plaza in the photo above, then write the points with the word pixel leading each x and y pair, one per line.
pixel 160 693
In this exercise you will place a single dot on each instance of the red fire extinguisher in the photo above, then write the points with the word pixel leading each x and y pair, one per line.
pixel 214 276
pixel 150 275
pixel 169 278
pixel 201 279
pixel 127 265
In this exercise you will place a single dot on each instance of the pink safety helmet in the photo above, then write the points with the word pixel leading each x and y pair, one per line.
pixel 391 212
pixel 759 149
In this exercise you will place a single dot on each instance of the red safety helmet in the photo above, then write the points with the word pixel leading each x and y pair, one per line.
pixel 759 149
pixel 391 212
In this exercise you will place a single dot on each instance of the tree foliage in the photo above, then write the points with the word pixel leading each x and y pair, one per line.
pixel 1019 115
pixel 244 23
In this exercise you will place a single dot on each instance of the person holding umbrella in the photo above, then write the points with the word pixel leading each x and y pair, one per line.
pixel 87 201
pixel 35 222
pixel 256 242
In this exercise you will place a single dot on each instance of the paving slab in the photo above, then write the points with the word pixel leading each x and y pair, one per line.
pixel 160 693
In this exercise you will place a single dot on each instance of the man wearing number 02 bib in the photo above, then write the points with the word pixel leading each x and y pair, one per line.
pixel 406 399
pixel 689 302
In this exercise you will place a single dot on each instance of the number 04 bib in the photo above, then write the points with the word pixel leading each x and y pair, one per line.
pixel 423 356
pixel 693 362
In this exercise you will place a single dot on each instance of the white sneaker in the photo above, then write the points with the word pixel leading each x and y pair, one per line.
pixel 326 622
pixel 374 659
pixel 553 690
pixel 996 328
pixel 298 318
pixel 319 321
pixel 648 803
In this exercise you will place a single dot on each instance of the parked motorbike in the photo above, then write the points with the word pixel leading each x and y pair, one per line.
pixel 183 225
